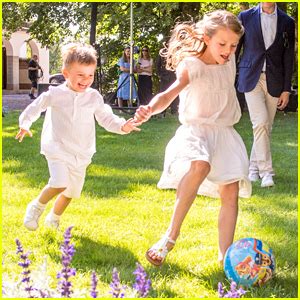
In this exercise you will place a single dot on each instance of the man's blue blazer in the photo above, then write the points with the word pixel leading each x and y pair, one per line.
pixel 279 56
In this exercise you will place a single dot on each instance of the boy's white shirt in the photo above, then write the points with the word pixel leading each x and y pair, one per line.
pixel 69 125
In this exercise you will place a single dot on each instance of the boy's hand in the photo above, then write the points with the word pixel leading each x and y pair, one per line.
pixel 131 125
pixel 21 134
pixel 143 113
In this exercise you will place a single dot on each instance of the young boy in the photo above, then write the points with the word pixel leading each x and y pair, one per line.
pixel 68 136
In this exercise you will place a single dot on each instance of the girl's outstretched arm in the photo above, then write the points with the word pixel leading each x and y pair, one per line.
pixel 162 100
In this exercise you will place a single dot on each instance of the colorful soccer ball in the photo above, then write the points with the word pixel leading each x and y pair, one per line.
pixel 249 262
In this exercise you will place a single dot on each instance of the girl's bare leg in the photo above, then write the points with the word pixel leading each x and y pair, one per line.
pixel 186 193
pixel 227 216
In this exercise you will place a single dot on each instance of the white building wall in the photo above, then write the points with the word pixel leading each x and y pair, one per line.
pixel 13 73
pixel 13 48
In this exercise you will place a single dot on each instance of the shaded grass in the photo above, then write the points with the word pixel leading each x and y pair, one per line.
pixel 121 212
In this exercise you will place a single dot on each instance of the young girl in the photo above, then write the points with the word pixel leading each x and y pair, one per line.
pixel 144 69
pixel 206 155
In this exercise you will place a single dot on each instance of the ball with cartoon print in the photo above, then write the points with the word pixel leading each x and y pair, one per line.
pixel 249 262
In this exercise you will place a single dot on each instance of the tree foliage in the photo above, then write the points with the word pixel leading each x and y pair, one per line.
pixel 108 26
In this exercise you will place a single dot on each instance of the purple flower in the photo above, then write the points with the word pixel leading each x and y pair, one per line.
pixel 233 286
pixel 44 294
pixel 117 290
pixel 241 291
pixel 233 293
pixel 24 263
pixel 94 280
pixel 67 250
pixel 19 247
pixel 142 284
pixel 220 290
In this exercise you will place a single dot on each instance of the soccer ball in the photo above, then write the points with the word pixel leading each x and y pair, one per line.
pixel 249 262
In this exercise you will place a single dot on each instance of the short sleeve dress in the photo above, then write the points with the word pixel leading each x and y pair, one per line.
pixel 208 109
pixel 123 92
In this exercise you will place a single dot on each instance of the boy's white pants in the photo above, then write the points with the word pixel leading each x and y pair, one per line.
pixel 69 173
pixel 262 109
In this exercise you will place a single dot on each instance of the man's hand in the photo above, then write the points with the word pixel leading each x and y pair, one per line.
pixel 21 134
pixel 143 113
pixel 283 100
pixel 131 125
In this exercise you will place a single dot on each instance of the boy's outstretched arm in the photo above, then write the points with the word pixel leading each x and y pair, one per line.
pixel 31 113
pixel 21 134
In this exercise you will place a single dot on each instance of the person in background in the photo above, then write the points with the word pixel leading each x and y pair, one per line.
pixel 123 93
pixel 33 75
pixel 144 70
pixel 265 71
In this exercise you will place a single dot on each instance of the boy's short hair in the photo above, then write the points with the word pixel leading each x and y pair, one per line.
pixel 78 53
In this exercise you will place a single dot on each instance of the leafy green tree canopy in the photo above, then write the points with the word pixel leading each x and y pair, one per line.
pixel 107 24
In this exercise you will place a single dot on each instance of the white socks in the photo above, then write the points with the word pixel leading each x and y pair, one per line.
pixel 39 204
pixel 53 216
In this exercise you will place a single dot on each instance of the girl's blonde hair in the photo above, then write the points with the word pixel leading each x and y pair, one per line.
pixel 187 39
pixel 78 53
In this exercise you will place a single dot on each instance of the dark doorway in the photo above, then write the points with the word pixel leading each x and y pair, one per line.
pixel 4 68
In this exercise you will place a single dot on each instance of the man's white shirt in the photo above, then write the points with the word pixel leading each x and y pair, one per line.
pixel 268 27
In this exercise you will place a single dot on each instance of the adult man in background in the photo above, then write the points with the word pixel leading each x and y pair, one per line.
pixel 265 74
pixel 33 74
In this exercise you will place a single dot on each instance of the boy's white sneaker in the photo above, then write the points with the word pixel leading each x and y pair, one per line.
pixel 267 181
pixel 50 222
pixel 32 215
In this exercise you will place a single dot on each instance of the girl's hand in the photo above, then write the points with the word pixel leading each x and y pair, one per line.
pixel 131 125
pixel 143 113
pixel 21 134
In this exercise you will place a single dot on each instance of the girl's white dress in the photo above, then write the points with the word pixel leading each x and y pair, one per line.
pixel 208 110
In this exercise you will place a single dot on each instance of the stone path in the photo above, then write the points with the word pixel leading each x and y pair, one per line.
pixel 15 102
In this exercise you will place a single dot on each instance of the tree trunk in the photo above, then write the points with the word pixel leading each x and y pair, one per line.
pixel 244 5
pixel 94 6
pixel 282 5
pixel 189 10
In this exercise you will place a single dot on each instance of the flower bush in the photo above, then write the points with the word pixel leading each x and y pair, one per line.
pixel 117 290
pixel 68 250
pixel 232 293
pixel 36 284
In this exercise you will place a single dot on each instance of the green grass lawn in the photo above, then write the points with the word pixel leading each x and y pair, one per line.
pixel 121 213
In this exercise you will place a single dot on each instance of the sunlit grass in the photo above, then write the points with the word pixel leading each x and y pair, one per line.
pixel 121 213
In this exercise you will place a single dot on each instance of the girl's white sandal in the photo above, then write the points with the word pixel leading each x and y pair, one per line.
pixel 160 250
